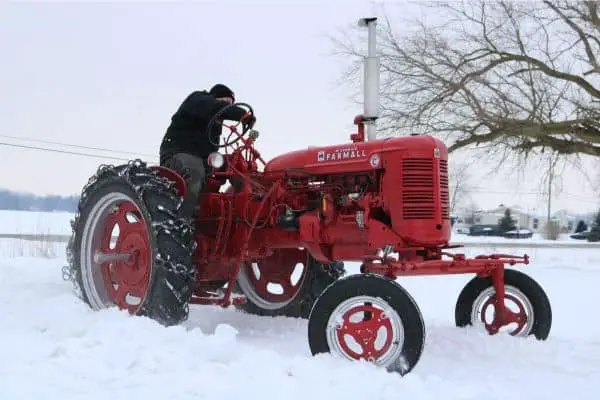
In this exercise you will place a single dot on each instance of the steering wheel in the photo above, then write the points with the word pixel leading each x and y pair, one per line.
pixel 232 128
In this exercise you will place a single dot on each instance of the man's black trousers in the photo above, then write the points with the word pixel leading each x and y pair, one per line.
pixel 193 170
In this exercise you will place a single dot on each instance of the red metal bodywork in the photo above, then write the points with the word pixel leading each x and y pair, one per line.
pixel 345 202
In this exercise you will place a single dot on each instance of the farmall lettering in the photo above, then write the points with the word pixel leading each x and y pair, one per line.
pixel 346 153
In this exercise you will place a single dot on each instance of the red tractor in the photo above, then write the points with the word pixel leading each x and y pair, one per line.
pixel 381 202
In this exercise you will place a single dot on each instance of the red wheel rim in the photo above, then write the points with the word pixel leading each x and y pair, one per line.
pixel 270 282
pixel 365 332
pixel 367 328
pixel 128 278
pixel 518 319
pixel 511 317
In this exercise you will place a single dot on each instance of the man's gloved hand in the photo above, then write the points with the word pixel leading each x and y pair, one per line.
pixel 248 120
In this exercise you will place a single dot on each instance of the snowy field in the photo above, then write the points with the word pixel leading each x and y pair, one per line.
pixel 33 222
pixel 53 346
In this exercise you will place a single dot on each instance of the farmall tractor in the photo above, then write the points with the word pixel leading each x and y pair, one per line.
pixel 383 203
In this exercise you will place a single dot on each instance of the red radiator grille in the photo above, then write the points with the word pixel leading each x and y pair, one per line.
pixel 418 194
pixel 444 191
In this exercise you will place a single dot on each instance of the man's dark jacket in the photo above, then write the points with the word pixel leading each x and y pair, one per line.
pixel 187 132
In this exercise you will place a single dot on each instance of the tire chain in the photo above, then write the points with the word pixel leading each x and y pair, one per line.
pixel 135 169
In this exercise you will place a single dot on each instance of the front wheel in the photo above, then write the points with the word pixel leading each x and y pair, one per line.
pixel 350 316
pixel 529 310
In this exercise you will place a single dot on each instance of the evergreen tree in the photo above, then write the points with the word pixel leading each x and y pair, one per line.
pixel 594 235
pixel 581 226
pixel 507 223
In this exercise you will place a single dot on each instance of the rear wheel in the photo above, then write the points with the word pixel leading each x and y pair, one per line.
pixel 128 248
pixel 285 284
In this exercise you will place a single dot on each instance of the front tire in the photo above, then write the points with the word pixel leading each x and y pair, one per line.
pixel 533 312
pixel 147 270
pixel 383 303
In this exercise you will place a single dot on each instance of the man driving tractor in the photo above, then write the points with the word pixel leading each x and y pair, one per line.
pixel 187 144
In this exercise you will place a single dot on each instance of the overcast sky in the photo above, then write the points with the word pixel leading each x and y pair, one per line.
pixel 111 75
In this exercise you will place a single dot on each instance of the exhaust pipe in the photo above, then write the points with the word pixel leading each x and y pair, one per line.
pixel 370 79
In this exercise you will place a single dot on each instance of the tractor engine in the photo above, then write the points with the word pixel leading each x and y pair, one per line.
pixel 361 197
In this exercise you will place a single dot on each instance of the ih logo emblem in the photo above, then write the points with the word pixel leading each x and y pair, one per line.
pixel 345 153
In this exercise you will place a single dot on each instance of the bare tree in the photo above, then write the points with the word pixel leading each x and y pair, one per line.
pixel 507 77
pixel 470 212
pixel 596 180
pixel 460 185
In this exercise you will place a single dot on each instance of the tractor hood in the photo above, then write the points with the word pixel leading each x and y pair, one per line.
pixel 350 157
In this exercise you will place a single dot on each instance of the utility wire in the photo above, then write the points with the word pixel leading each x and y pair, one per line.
pixel 74 145
pixel 62 151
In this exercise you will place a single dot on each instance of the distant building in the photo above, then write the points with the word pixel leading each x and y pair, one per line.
pixel 522 218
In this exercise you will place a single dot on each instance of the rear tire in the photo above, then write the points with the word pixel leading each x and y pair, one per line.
pixel 298 301
pixel 162 273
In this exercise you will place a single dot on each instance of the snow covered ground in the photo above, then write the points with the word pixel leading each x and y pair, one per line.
pixel 53 346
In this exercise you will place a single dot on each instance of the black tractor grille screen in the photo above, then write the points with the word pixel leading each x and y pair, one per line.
pixel 419 191
pixel 444 192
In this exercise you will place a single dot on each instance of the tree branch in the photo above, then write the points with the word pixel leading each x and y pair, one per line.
pixel 494 74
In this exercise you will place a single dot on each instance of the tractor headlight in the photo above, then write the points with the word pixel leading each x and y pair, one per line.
pixel 216 160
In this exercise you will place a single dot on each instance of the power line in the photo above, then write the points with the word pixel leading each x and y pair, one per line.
pixel 62 151
pixel 74 145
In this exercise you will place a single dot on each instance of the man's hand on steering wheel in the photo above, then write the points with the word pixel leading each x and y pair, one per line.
pixel 248 121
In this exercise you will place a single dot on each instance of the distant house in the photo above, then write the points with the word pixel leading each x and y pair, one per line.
pixel 521 218
pixel 566 220
pixel 525 219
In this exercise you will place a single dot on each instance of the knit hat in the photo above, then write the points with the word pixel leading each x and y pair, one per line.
pixel 220 90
